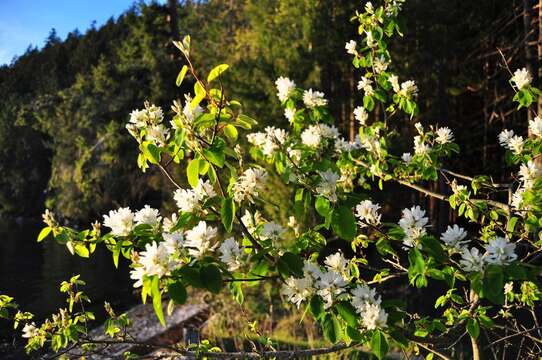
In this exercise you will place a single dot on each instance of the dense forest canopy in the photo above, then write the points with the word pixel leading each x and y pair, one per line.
pixel 63 107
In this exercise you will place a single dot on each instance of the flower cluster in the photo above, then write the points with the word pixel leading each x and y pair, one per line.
pixel 414 224
pixel 499 251
pixel 147 124
pixel 315 134
pixel 367 305
pixel 367 213
pixel 190 200
pixel 268 141
pixel 247 185
pixel 512 142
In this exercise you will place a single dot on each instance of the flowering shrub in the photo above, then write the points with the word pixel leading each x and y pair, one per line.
pixel 219 238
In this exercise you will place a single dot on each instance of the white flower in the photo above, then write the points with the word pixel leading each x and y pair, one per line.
pixel 312 270
pixel 517 199
pixel 500 251
pixel 374 317
pixel 328 185
pixel 535 126
pixel 362 294
pixel 190 113
pixel 367 213
pixel 406 157
pixel 311 136
pixel 365 85
pixel 330 285
pixel 413 223
pixel 289 114
pixel 120 221
pixel 157 134
pixel 369 7
pixel 151 115
pixel 471 260
pixel 505 136
pixel 444 135
pixel 508 287
pixel 231 254
pixel 170 223
pixel 187 200
pixel 408 89
pixel 380 64
pixel 247 185
pixel 453 237
pixel 351 47
pixel 248 221
pixel 313 98
pixel 272 230
pixel 172 241
pixel 298 290
pixel 155 260
pixel 199 239
pixel 521 78
pixel 148 216
pixel 394 82
pixel 361 115
pixel 528 173
pixel 204 189
pixel 137 274
pixel 30 331
pixel 516 144
pixel 336 262
pixel 420 147
pixel 285 87
pixel 138 118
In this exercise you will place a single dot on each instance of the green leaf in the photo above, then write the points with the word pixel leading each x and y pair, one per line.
pixel 43 233
pixel 181 75
pixel 151 152
pixel 211 278
pixel 236 289
pixel 322 206
pixel 81 250
pixel 192 172
pixel 344 223
pixel 511 224
pixel 215 156
pixel 473 328
pixel 245 122
pixel 493 284
pixel 177 292
pixel 379 344
pixel 291 264
pixel 316 306
pixel 227 213
pixel 348 313
pixel 157 300
pixel 231 132
pixel 332 328
pixel 216 72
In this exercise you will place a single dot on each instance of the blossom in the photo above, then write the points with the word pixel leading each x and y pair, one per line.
pixel 408 89
pixel 369 8
pixel 521 78
pixel 157 134
pixel 406 157
pixel 420 147
pixel 298 290
pixel 361 115
pixel 413 222
pixel 188 111
pixel 199 239
pixel 471 260
pixel 231 254
pixel 508 287
pixel 500 251
pixel 394 82
pixel 30 331
pixel 330 285
pixel 453 237
pixel 535 126
pixel 247 185
pixel 289 114
pixel 328 185
pixel 285 87
pixel 374 317
pixel 155 260
pixel 138 118
pixel 189 200
pixel 173 241
pixel 314 98
pixel 444 135
pixel 272 230
pixel 311 136
pixel 151 115
pixel 365 85
pixel 516 144
pixel 367 213
pixel 351 47
pixel 248 221
pixel 312 270
pixel 380 64
pixel 505 136
pixel 528 173
pixel 336 262
pixel 120 221
pixel 148 216
pixel 137 274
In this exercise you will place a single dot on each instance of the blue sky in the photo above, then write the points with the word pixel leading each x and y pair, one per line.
pixel 28 22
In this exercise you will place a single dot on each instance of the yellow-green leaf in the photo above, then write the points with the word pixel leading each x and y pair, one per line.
pixel 181 75
pixel 216 72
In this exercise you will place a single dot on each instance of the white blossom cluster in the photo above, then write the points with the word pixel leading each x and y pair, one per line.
pixel 327 186
pixel 331 285
pixel 512 142
pixel 190 200
pixel 150 120
pixel 313 99
pixel 268 141
pixel 407 89
pixel 361 115
pixel 122 221
pixel 414 224
pixel 365 84
pixel 341 145
pixel 231 254
pixel 247 185
pixel 521 78
pixel 535 126
pixel 367 213
pixel 315 134
pixel 499 251
pixel 285 87
pixel 528 174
